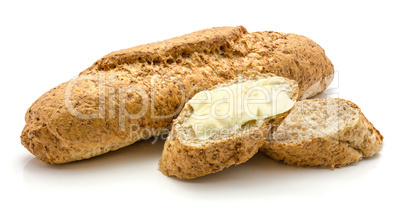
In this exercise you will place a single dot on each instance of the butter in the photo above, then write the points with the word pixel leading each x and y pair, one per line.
pixel 229 108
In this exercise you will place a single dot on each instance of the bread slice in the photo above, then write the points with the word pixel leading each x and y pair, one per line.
pixel 186 156
pixel 323 132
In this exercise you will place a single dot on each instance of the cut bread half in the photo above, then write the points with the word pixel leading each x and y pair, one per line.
pixel 188 155
pixel 323 132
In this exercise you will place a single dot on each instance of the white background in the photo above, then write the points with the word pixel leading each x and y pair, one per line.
pixel 44 43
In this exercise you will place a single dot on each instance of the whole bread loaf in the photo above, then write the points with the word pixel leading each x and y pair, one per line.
pixel 135 93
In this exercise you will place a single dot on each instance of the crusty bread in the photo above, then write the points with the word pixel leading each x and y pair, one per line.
pixel 133 93
pixel 186 156
pixel 323 132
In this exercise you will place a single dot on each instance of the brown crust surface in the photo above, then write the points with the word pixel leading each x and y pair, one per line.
pixel 93 114
pixel 352 142
pixel 189 160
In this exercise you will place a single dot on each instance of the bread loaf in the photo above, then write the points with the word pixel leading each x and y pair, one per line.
pixel 135 93
pixel 323 132
pixel 186 156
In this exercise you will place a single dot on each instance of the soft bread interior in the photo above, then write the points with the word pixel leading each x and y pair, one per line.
pixel 316 118
pixel 250 126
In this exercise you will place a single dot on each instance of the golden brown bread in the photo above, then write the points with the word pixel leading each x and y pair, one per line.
pixel 187 157
pixel 323 132
pixel 134 93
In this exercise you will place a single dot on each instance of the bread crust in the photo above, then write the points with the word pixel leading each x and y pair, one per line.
pixel 352 142
pixel 90 115
pixel 188 161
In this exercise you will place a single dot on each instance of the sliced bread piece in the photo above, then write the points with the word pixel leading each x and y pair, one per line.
pixel 188 155
pixel 323 132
